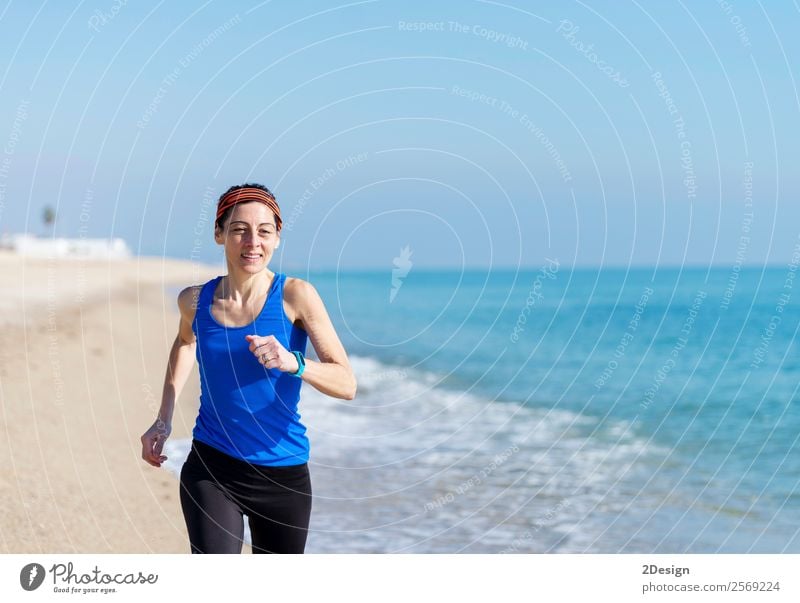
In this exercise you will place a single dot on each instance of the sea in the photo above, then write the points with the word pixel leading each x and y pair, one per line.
pixel 558 410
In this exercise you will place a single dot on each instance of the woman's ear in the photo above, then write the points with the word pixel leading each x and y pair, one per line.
pixel 218 236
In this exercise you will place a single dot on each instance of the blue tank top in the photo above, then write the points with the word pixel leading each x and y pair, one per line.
pixel 247 411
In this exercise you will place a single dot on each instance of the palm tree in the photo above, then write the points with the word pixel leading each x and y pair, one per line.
pixel 49 216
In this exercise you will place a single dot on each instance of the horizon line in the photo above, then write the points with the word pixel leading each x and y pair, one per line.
pixel 504 268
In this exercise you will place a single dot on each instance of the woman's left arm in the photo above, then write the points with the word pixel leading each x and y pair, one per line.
pixel 332 375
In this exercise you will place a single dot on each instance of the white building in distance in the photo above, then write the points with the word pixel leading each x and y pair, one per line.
pixel 28 245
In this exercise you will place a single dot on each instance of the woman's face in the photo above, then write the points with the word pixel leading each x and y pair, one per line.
pixel 250 236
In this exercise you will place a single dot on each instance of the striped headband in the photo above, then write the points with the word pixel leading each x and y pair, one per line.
pixel 243 195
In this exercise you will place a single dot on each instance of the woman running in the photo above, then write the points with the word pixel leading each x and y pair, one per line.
pixel 248 330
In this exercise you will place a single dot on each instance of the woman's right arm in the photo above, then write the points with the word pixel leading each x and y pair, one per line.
pixel 179 366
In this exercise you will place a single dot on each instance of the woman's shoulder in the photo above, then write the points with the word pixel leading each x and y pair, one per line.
pixel 189 298
pixel 302 297
pixel 299 294
pixel 190 293
pixel 296 288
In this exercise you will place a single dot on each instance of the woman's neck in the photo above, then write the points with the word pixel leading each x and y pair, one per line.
pixel 244 287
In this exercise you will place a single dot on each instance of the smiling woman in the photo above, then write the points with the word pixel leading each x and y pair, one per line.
pixel 248 330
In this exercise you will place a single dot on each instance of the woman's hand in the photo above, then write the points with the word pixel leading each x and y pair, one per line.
pixel 272 354
pixel 153 442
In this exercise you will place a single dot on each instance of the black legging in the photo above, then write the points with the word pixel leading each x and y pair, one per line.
pixel 217 489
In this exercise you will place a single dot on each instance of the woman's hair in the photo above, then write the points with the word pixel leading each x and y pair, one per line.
pixel 220 222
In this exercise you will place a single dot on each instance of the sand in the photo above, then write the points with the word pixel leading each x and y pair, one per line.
pixel 82 361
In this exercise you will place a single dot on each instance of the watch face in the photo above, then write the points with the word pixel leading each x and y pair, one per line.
pixel 301 362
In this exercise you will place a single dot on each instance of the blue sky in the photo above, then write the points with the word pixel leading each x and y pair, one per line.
pixel 480 134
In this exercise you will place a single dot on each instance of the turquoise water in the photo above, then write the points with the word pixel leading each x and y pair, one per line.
pixel 554 410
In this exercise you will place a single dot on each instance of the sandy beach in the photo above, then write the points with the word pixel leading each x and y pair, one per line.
pixel 82 362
